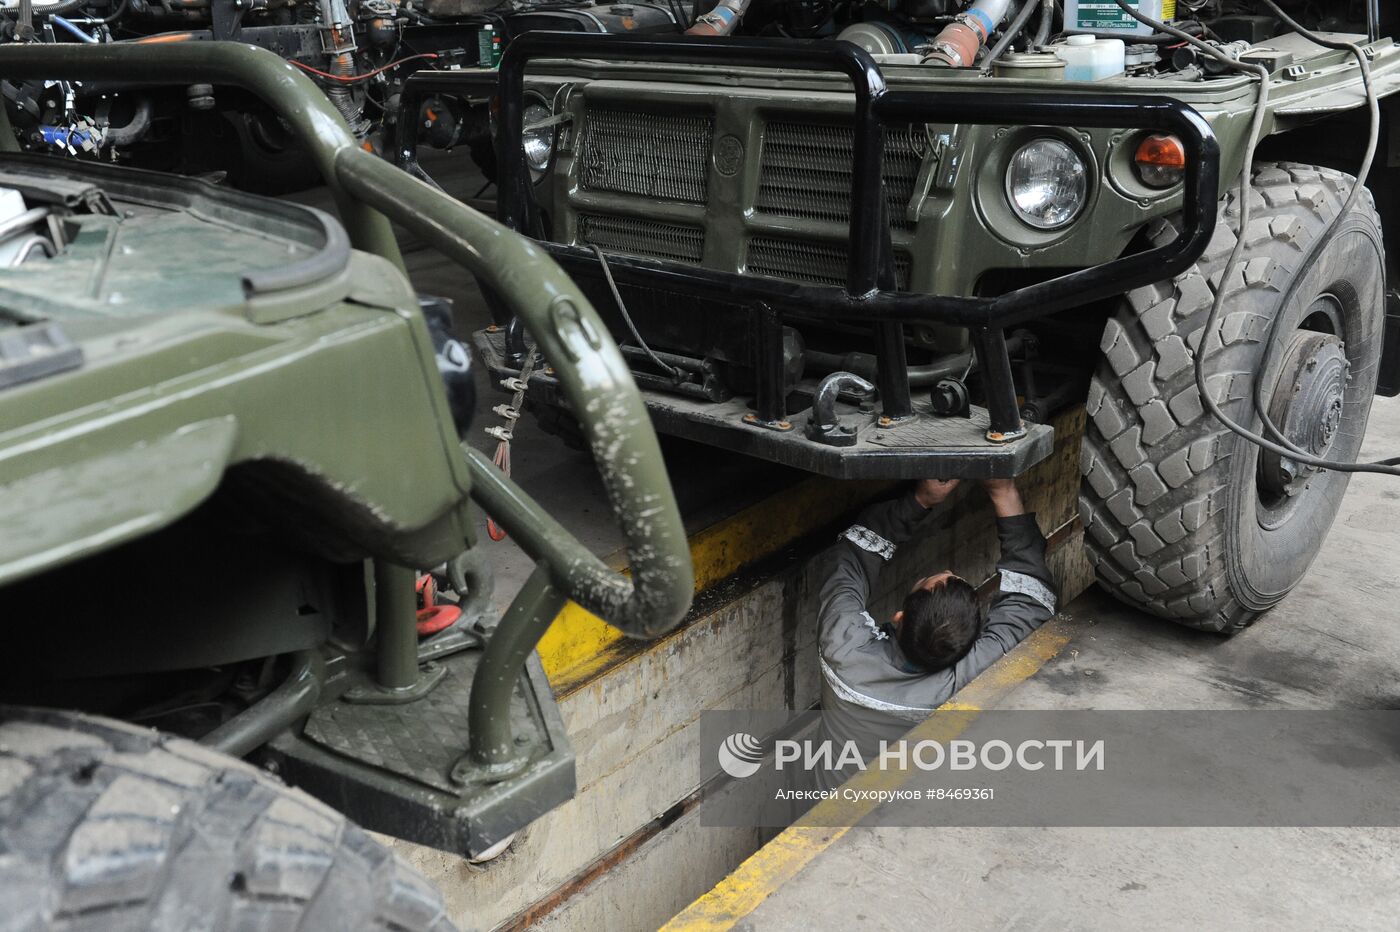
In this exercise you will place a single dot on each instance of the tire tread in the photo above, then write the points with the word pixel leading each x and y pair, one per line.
pixel 1160 547
pixel 107 826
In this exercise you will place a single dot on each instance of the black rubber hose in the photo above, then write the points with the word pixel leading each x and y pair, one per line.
pixel 116 14
pixel 56 9
pixel 1018 25
pixel 1168 38
pixel 1047 22
pixel 135 129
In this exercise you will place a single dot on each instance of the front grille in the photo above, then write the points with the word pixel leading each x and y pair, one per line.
pixel 658 239
pixel 805 172
pixel 651 155
pixel 819 263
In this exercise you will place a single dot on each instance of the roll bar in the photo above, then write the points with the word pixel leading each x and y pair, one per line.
pixel 568 331
pixel 601 393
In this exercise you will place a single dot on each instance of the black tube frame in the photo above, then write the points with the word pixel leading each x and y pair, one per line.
pixel 863 297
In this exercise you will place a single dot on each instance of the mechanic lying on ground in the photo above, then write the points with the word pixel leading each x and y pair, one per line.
pixel 878 680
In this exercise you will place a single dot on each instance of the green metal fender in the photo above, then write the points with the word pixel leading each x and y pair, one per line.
pixel 568 331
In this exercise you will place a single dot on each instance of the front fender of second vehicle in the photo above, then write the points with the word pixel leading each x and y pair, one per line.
pixel 333 421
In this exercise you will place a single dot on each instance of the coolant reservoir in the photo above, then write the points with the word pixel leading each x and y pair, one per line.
pixel 1105 18
pixel 11 204
pixel 1089 59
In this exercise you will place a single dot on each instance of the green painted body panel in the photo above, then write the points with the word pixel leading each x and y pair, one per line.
pixel 335 407
pixel 71 511
pixel 961 230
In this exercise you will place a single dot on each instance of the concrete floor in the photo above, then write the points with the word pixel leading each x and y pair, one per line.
pixel 1334 643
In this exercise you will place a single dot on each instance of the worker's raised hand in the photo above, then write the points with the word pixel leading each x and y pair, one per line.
pixel 930 492
pixel 1006 498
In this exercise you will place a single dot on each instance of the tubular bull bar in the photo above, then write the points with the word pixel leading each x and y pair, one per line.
pixel 869 293
pixel 499 784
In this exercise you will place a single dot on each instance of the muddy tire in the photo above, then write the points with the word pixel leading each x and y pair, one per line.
pixel 108 827
pixel 1184 518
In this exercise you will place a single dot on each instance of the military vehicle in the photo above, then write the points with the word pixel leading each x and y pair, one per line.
pixel 899 253
pixel 357 51
pixel 230 448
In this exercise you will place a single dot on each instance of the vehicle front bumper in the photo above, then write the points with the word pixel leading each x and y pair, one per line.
pixel 904 438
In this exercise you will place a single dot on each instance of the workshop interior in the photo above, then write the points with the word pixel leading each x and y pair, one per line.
pixel 422 420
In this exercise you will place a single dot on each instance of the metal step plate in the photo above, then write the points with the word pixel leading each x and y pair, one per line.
pixel 923 447
pixel 391 767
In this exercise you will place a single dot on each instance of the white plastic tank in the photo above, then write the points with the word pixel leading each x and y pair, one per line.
pixel 11 206
pixel 1088 58
pixel 1105 18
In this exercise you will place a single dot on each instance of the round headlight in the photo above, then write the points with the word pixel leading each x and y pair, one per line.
pixel 1047 183
pixel 539 141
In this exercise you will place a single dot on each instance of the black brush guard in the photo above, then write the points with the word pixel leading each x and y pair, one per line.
pixel 1007 447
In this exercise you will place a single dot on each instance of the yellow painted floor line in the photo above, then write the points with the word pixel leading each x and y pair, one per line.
pixel 579 646
pixel 784 857
pixel 575 649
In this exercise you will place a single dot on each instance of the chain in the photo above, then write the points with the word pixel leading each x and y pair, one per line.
pixel 505 433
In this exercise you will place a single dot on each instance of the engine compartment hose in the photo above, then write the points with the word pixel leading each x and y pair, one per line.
pixel 1009 34
pixel 134 129
pixel 72 30
pixel 960 41
pixel 1047 22
pixel 40 8
pixel 720 21
pixel 675 374
pixel 1353 196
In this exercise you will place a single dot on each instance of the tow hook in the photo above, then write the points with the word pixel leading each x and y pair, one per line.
pixel 823 425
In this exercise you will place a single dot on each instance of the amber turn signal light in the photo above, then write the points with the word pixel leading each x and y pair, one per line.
pixel 1160 161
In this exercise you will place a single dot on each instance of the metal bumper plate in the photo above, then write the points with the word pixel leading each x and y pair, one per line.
pixel 923 447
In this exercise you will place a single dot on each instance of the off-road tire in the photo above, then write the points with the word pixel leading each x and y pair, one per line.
pixel 107 827
pixel 1166 490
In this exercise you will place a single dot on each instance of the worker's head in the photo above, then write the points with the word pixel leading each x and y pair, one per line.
pixel 939 621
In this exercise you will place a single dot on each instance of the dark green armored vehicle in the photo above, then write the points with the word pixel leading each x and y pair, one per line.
pixel 898 253
pixel 230 453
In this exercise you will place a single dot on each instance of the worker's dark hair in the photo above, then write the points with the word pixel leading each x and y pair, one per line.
pixel 939 625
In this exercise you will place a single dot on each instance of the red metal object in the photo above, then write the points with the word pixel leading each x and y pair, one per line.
pixel 432 620
pixel 433 617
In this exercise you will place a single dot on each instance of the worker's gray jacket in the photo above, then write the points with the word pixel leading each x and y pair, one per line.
pixel 870 692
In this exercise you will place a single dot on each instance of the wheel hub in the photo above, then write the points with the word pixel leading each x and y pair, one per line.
pixel 1306 406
